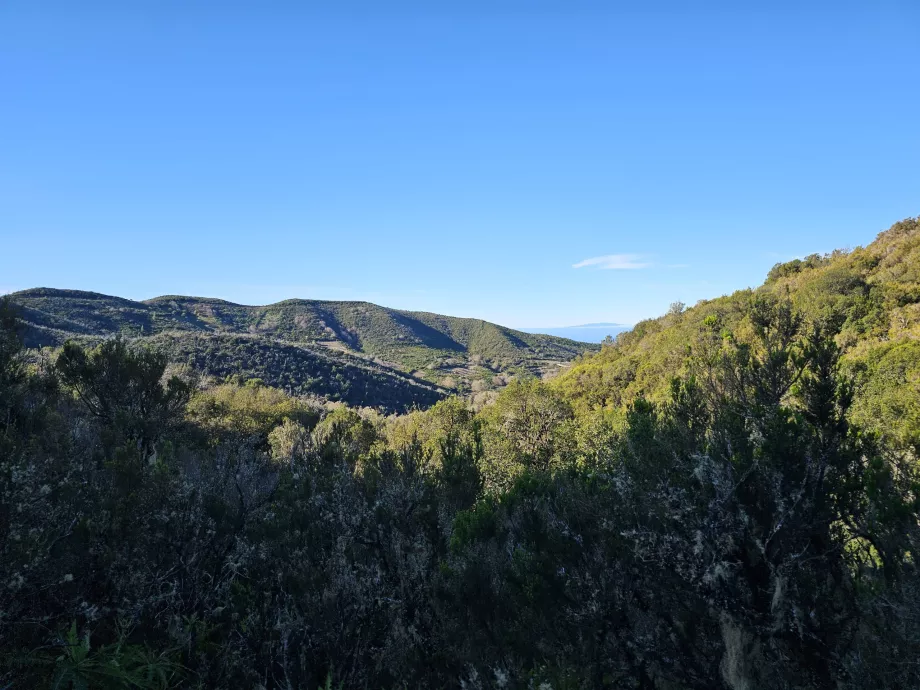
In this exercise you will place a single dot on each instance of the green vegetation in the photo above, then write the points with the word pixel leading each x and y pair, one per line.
pixel 726 497
pixel 436 350
pixel 299 370
pixel 870 295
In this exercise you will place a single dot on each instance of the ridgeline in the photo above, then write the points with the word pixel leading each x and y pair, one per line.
pixel 354 352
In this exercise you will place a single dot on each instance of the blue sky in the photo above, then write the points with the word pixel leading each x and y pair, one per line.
pixel 462 160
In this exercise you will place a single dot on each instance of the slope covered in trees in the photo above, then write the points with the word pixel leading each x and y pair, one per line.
pixel 301 370
pixel 739 533
pixel 453 353
pixel 727 514
pixel 870 296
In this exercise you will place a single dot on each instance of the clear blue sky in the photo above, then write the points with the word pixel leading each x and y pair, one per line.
pixel 459 160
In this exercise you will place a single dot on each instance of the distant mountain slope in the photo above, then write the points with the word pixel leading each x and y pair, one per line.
pixel 586 333
pixel 872 293
pixel 453 354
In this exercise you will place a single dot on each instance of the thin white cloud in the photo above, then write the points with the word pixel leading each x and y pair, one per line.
pixel 614 262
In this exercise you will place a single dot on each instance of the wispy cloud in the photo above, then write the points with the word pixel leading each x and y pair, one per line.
pixel 614 262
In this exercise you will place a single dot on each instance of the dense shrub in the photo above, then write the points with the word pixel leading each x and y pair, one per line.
pixel 736 531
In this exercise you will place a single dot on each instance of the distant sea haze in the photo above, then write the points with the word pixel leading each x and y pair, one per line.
pixel 586 333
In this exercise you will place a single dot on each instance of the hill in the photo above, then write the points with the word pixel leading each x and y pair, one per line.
pixel 870 295
pixel 730 530
pixel 357 352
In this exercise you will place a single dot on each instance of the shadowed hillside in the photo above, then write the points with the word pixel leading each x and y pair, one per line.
pixel 334 349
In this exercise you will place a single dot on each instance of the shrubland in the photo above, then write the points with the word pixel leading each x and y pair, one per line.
pixel 728 497
pixel 352 352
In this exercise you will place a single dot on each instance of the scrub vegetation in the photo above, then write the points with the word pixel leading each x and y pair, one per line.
pixel 726 496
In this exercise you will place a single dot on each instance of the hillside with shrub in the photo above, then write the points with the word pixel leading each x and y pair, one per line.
pixel 727 497
pixel 433 351
pixel 869 297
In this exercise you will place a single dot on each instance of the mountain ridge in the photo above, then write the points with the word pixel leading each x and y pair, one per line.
pixel 423 350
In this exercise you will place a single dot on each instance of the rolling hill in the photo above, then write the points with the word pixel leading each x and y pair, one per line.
pixel 356 352
pixel 870 295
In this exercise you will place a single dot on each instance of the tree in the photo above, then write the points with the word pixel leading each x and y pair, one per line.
pixel 123 389
pixel 12 375
pixel 528 426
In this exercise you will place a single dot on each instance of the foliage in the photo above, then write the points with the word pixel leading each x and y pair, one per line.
pixel 528 427
pixel 709 502
pixel 298 370
pixel 118 665
pixel 299 345
pixel 252 409
pixel 870 297
pixel 122 389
